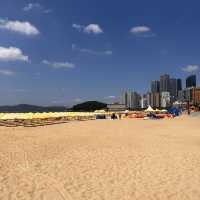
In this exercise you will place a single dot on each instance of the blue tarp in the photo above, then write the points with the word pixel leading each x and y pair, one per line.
pixel 174 111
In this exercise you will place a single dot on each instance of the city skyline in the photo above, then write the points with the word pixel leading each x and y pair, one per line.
pixel 63 53
pixel 164 93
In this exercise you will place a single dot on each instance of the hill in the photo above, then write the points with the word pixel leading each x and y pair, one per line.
pixel 31 108
pixel 89 106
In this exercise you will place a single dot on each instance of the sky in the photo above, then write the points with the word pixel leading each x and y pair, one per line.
pixel 65 52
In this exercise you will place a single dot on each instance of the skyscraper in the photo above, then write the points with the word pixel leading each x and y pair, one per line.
pixel 165 99
pixel 154 99
pixel 131 99
pixel 173 87
pixel 164 83
pixel 144 101
pixel 155 86
pixel 124 98
pixel 179 85
pixel 191 81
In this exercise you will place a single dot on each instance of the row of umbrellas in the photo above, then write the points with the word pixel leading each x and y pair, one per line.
pixel 47 115
pixel 7 116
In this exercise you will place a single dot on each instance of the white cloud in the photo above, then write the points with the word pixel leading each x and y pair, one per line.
pixel 12 54
pixel 20 27
pixel 91 28
pixel 36 6
pixel 77 27
pixel 6 72
pixel 90 51
pixel 191 68
pixel 110 97
pixel 142 31
pixel 58 65
pixel 32 6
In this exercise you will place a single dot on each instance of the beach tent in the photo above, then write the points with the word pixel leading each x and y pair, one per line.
pixel 157 110
pixel 164 110
pixel 149 109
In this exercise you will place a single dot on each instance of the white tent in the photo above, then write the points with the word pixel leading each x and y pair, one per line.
pixel 149 109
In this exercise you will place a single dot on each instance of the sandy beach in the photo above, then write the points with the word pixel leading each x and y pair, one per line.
pixel 102 160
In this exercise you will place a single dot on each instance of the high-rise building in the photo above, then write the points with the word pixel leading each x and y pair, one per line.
pixel 173 87
pixel 164 83
pixel 144 101
pixel 196 96
pixel 124 98
pixel 191 95
pixel 181 95
pixel 154 99
pixel 165 99
pixel 133 100
pixel 188 94
pixel 191 81
pixel 136 100
pixel 155 86
pixel 179 85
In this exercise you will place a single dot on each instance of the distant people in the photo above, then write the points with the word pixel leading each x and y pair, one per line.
pixel 126 113
pixel 113 116
pixel 120 116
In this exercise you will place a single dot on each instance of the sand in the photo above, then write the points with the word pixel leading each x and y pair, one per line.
pixel 102 160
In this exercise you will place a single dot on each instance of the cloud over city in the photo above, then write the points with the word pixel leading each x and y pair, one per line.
pixel 191 68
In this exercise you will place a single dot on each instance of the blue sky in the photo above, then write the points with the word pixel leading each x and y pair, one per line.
pixel 64 52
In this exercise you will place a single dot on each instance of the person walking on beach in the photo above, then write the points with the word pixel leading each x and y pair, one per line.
pixel 113 116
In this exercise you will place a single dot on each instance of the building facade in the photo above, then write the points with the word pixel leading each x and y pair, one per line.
pixel 144 102
pixel 196 96
pixel 164 83
pixel 154 99
pixel 191 81
pixel 124 98
pixel 186 95
pixel 116 107
pixel 155 86
pixel 179 85
pixel 131 100
pixel 173 88
pixel 165 99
